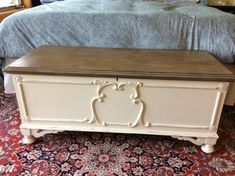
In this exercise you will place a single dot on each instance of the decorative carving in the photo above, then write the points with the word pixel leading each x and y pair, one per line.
pixel 196 141
pixel 26 118
pixel 118 87
pixel 39 133
pixel 222 87
pixel 18 79
pixel 100 83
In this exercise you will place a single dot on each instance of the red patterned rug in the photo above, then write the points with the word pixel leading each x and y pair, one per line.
pixel 74 153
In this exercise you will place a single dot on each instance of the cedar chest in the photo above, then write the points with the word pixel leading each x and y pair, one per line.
pixel 143 91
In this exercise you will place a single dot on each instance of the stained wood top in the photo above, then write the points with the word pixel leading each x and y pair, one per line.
pixel 129 63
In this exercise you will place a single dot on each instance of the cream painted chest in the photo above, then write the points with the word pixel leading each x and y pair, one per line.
pixel 160 92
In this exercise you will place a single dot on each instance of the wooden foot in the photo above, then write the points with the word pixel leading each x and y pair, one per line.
pixel 28 140
pixel 207 148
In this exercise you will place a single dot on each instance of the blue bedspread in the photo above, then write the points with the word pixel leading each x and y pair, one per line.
pixel 120 23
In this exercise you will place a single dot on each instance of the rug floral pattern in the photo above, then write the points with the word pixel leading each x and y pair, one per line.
pixel 90 154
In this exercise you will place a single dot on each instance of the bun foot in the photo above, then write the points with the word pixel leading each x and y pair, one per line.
pixel 28 140
pixel 207 148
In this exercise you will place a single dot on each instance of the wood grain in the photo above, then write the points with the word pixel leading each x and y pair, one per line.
pixel 231 67
pixel 129 63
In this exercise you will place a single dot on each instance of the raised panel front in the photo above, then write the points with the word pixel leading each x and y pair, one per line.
pixel 58 99
pixel 115 105
pixel 180 104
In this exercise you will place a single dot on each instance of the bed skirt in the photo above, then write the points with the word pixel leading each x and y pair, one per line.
pixel 8 83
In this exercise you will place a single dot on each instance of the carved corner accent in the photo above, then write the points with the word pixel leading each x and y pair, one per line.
pixel 18 79
pixel 117 87
pixel 222 87
pixel 26 119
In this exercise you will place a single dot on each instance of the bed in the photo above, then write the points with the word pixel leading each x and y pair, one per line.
pixel 168 24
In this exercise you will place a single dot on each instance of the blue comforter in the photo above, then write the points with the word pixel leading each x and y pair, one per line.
pixel 121 24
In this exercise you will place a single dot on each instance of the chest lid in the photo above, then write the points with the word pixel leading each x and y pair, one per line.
pixel 128 63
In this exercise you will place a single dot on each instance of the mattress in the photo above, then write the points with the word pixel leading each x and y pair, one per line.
pixel 120 24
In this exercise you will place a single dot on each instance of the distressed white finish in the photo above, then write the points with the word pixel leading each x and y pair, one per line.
pixel 188 110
